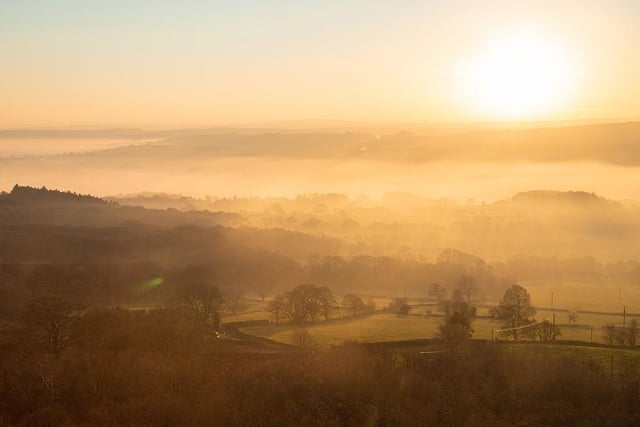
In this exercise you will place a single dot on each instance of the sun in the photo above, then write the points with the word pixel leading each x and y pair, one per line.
pixel 519 76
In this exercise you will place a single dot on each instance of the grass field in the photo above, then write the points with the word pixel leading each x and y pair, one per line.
pixel 377 327
pixel 617 361
pixel 374 328
pixel 585 296
pixel 392 327
pixel 596 304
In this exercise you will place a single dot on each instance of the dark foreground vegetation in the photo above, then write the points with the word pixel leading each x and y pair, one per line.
pixel 166 368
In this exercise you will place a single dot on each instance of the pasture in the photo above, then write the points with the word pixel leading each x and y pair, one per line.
pixel 594 304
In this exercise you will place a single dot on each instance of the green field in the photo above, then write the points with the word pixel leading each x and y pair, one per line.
pixel 374 328
pixel 377 327
pixel 596 305
pixel 605 297
pixel 392 327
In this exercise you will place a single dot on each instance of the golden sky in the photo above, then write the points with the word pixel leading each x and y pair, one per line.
pixel 203 63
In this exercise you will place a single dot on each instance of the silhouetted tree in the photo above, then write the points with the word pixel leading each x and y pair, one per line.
pixel 277 308
pixel 301 337
pixel 235 301
pixel 544 331
pixel 201 301
pixel 619 335
pixel 457 325
pixel 610 334
pixel 305 303
pixel 355 304
pixel 632 332
pixel 51 320
pixel 400 306
pixel 514 309
pixel 326 300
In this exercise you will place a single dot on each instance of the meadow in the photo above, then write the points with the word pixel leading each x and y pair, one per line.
pixel 594 305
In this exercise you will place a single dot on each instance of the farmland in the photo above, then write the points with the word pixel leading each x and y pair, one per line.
pixel 593 305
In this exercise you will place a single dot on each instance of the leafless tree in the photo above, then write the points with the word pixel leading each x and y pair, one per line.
pixel 514 309
pixel 202 302
pixel 235 301
pixel 51 319
pixel 355 304
pixel 277 308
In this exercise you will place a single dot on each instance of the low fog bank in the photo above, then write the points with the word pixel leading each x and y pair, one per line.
pixel 482 165
pixel 399 194
pixel 535 223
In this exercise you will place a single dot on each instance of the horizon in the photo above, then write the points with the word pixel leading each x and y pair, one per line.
pixel 314 124
pixel 459 162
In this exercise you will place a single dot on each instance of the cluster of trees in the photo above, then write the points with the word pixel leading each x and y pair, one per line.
pixel 385 272
pixel 356 304
pixel 118 282
pixel 456 327
pixel 456 307
pixel 622 335
pixel 399 306
pixel 307 303
pixel 303 304
pixel 52 323
pixel 514 310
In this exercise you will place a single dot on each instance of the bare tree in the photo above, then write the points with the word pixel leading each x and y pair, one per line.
pixel 202 302
pixel 610 334
pixel 326 301
pixel 514 309
pixel 301 337
pixel 355 304
pixel 632 332
pixel 545 331
pixel 235 301
pixel 51 318
pixel 277 307
pixel 619 335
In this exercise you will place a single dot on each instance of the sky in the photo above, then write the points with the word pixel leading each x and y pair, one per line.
pixel 217 62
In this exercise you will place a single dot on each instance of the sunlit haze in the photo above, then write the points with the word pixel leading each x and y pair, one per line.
pixel 198 63
pixel 521 76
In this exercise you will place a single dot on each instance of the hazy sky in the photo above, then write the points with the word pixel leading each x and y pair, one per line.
pixel 197 62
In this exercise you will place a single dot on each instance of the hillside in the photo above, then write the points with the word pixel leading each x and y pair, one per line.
pixel 533 223
pixel 51 226
pixel 27 205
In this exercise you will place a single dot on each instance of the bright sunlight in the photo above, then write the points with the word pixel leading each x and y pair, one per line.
pixel 521 76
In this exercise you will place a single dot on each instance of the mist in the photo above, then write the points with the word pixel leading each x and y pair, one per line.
pixel 482 166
